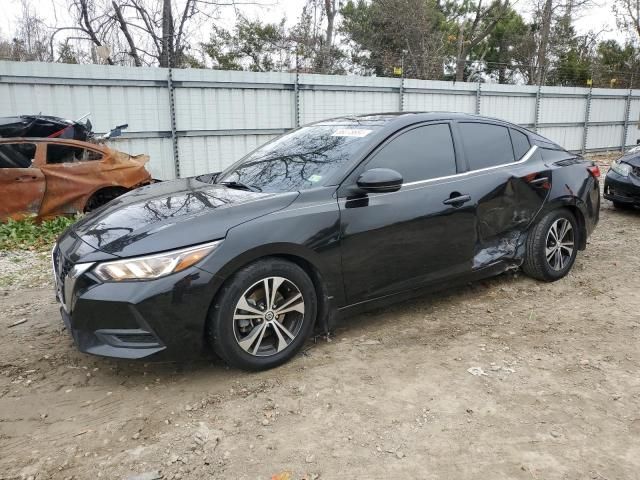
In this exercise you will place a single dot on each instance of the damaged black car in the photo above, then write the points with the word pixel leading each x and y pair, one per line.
pixel 321 222
pixel 45 126
pixel 622 183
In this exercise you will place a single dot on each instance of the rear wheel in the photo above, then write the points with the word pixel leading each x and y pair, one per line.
pixel 552 246
pixel 263 315
pixel 102 197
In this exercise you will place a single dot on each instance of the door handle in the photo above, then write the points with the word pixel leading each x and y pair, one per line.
pixel 458 200
pixel 539 181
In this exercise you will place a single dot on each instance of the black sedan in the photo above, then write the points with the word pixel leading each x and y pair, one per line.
pixel 319 223
pixel 622 183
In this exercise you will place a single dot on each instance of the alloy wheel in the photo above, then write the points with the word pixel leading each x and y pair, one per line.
pixel 560 244
pixel 268 316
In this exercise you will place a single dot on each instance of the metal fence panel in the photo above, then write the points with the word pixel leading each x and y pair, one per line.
pixel 221 115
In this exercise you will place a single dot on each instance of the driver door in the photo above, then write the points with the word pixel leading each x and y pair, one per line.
pixel 398 241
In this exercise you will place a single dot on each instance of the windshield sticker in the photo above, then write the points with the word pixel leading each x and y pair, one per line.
pixel 315 178
pixel 351 132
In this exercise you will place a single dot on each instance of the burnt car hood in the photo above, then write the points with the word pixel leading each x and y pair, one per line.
pixel 174 214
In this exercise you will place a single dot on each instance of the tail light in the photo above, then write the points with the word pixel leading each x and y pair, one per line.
pixel 594 171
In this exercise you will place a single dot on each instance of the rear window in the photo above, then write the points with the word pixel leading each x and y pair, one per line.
pixel 486 145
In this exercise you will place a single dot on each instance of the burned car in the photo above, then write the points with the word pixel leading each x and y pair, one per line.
pixel 319 223
pixel 622 183
pixel 47 177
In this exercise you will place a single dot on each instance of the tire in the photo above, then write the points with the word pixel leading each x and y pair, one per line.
pixel 248 333
pixel 541 258
pixel 102 197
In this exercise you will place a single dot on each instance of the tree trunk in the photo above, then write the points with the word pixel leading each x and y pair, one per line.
pixel 166 53
pixel 330 9
pixel 84 11
pixel 544 41
pixel 461 55
pixel 127 35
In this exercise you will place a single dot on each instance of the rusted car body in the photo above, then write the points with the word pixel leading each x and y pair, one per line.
pixel 48 177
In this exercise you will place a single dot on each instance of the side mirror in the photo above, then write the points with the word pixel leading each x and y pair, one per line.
pixel 379 180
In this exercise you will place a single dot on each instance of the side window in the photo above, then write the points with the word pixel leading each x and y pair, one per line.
pixel 419 154
pixel 486 145
pixel 67 154
pixel 17 155
pixel 520 142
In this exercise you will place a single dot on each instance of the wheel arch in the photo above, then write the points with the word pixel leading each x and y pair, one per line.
pixel 297 254
pixel 576 207
pixel 103 189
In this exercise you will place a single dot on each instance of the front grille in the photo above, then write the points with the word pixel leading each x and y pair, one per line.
pixel 636 171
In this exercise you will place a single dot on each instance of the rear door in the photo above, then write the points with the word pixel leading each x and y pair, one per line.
pixel 73 174
pixel 21 184
pixel 392 242
pixel 509 182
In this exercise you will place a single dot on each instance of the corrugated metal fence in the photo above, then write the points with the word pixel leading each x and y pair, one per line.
pixel 197 121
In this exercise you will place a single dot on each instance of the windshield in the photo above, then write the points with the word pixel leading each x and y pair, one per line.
pixel 298 160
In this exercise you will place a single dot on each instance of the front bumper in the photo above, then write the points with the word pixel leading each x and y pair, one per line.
pixel 162 317
pixel 622 189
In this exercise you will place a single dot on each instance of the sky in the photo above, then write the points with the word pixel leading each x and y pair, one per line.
pixel 597 18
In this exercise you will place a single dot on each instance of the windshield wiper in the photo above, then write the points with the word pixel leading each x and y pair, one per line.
pixel 241 186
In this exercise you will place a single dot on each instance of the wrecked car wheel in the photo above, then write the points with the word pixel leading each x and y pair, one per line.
pixel 263 315
pixel 552 246
pixel 102 197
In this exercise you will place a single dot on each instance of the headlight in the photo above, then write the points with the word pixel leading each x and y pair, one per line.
pixel 153 266
pixel 620 168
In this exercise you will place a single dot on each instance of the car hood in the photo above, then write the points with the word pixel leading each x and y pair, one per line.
pixel 173 214
pixel 632 159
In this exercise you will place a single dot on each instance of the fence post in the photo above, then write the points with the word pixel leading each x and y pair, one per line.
pixel 172 114
pixel 627 112
pixel 478 95
pixel 536 119
pixel 296 90
pixel 587 114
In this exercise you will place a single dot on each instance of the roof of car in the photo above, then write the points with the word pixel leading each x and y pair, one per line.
pixel 388 117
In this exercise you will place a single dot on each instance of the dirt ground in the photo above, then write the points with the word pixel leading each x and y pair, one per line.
pixel 391 396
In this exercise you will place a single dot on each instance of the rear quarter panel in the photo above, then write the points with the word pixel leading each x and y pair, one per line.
pixel 70 185
pixel 574 186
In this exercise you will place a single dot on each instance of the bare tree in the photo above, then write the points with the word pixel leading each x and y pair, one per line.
pixel 474 25
pixel 144 31
pixel 325 57
pixel 544 39
pixel 628 15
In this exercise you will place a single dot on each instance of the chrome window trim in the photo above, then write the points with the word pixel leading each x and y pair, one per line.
pixel 524 158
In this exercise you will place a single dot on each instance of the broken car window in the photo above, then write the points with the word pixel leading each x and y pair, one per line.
pixel 68 154
pixel 17 155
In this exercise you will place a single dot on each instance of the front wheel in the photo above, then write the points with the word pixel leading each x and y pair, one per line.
pixel 552 246
pixel 263 314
